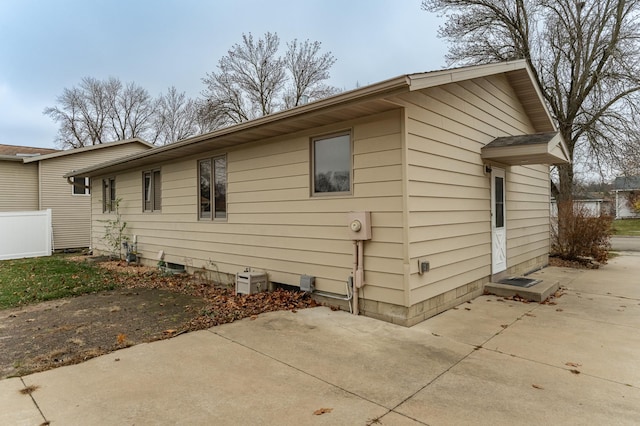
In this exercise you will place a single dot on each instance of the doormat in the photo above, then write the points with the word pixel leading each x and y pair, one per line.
pixel 520 282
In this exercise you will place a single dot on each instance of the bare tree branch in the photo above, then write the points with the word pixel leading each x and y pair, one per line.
pixel 583 54
pixel 253 81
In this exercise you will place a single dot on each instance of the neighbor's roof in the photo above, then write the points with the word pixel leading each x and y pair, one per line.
pixel 627 183
pixel 87 148
pixel 361 102
pixel 23 151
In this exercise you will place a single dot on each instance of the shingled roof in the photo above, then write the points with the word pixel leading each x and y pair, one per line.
pixel 16 150
pixel 626 183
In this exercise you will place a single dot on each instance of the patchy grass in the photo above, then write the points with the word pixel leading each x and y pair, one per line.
pixel 613 254
pixel 26 281
pixel 626 227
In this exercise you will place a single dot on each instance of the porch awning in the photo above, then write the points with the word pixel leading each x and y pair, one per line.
pixel 539 148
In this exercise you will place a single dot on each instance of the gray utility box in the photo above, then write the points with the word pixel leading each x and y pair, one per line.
pixel 251 282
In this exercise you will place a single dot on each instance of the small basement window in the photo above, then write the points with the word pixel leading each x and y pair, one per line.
pixel 331 160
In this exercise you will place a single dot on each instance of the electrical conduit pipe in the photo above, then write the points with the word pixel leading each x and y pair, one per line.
pixel 358 273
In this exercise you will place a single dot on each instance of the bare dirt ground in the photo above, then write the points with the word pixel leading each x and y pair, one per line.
pixel 147 307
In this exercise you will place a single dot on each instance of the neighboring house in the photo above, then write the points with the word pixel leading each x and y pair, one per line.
pixel 590 206
pixel 627 190
pixel 18 181
pixel 452 166
pixel 32 179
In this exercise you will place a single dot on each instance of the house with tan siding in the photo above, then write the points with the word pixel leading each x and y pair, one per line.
pixel 22 196
pixel 405 196
pixel 32 179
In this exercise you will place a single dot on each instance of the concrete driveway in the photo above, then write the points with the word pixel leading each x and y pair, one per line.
pixel 624 243
pixel 492 361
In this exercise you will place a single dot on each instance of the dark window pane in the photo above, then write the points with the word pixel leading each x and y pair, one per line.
pixel 147 191
pixel 108 195
pixel 79 185
pixel 332 164
pixel 105 194
pixel 220 187
pixel 157 190
pixel 112 192
pixel 499 195
pixel 205 188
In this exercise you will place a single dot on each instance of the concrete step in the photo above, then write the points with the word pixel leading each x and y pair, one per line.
pixel 537 293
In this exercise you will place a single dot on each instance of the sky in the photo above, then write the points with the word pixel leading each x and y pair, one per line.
pixel 49 45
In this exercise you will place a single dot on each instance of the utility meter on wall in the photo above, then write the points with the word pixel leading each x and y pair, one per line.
pixel 359 225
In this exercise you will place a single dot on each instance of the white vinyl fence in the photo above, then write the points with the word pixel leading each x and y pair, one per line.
pixel 25 234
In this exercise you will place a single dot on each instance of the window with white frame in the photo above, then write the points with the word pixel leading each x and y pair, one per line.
pixel 80 186
pixel 152 187
pixel 331 160
pixel 212 188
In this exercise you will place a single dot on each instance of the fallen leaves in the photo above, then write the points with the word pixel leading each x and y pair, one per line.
pixel 572 364
pixel 537 386
pixel 223 306
pixel 121 338
pixel 551 299
pixel 322 411
pixel 575 264
pixel 29 390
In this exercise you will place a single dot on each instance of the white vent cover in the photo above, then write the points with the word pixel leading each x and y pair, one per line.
pixel 251 282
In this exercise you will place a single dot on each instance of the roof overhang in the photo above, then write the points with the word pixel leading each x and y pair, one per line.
pixel 539 148
pixel 86 149
pixel 361 102
pixel 351 105
pixel 11 158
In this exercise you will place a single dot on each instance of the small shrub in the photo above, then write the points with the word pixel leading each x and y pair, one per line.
pixel 577 233
pixel 114 230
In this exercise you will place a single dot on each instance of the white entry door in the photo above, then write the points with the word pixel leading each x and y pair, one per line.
pixel 498 222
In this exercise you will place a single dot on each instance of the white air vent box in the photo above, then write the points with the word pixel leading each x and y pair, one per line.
pixel 251 282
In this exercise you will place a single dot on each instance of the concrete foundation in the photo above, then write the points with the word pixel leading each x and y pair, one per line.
pixel 414 314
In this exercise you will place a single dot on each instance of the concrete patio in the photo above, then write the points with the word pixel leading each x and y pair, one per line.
pixel 492 361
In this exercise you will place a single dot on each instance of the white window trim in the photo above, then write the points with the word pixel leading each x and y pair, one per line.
pixel 87 189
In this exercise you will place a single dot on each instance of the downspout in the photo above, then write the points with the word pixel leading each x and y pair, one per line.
pixel 358 269
pixel 355 279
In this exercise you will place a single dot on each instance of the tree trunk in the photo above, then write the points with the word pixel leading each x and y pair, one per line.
pixel 565 192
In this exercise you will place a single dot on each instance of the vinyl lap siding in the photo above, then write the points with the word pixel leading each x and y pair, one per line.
pixel 273 223
pixel 71 213
pixel 528 198
pixel 448 191
pixel 18 186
